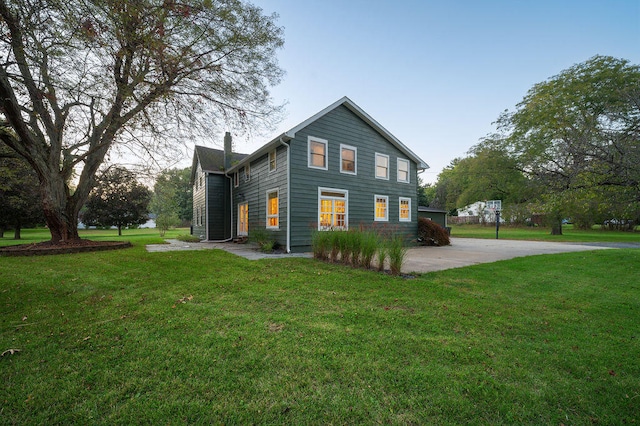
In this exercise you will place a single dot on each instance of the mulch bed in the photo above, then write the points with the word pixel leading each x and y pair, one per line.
pixel 48 248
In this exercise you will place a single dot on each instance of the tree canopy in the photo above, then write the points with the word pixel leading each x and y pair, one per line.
pixel 19 194
pixel 78 78
pixel 569 149
pixel 118 200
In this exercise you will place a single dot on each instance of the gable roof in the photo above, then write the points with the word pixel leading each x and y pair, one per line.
pixel 349 104
pixel 211 160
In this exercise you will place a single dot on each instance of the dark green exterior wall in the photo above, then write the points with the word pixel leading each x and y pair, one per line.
pixel 254 193
pixel 439 218
pixel 341 126
pixel 219 214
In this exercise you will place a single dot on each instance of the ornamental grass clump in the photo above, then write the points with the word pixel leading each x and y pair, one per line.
pixel 397 252
pixel 381 256
pixel 334 240
pixel 354 246
pixel 321 242
pixel 369 246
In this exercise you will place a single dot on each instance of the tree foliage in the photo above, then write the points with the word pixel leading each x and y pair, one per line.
pixel 576 136
pixel 486 174
pixel 170 195
pixel 78 78
pixel 19 195
pixel 118 200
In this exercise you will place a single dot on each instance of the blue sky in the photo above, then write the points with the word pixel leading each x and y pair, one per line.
pixel 437 74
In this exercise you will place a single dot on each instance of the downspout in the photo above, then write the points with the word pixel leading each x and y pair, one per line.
pixel 287 146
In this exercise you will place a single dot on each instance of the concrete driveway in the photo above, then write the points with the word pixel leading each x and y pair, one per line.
pixel 471 251
pixel 461 252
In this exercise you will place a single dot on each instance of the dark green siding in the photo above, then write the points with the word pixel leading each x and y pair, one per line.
pixel 254 193
pixel 219 213
pixel 341 126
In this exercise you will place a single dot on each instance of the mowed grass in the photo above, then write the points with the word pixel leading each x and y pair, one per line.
pixel 569 233
pixel 205 337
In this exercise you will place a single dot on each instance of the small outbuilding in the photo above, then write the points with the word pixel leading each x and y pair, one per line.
pixel 436 215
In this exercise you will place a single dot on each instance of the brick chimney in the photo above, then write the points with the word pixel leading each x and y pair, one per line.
pixel 227 151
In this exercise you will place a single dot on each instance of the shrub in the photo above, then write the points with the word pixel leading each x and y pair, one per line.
pixel 188 238
pixel 431 234
pixel 265 239
pixel 396 252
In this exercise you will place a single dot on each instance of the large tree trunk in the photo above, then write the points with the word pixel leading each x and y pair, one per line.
pixel 16 232
pixel 556 228
pixel 60 209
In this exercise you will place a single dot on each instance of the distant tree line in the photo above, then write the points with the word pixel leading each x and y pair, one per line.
pixel 570 149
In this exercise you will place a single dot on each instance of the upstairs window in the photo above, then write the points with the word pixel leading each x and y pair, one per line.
pixel 236 179
pixel 246 173
pixel 382 166
pixel 382 208
pixel 318 153
pixel 403 170
pixel 273 210
pixel 272 161
pixel 348 158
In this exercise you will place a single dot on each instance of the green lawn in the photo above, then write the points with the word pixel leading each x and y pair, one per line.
pixel 544 234
pixel 205 337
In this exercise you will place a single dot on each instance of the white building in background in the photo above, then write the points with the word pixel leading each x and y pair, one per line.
pixel 486 210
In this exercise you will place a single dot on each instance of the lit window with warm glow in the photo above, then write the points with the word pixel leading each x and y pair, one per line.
pixel 405 209
pixel 382 208
pixel 273 210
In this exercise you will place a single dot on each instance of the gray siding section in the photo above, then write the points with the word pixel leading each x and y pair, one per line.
pixel 341 126
pixel 254 193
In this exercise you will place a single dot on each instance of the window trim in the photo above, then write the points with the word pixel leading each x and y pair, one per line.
pixel 375 170
pixel 375 208
pixel 403 160
pixel 313 139
pixel 345 192
pixel 271 216
pixel 275 160
pixel 236 179
pixel 355 159
pixel 400 218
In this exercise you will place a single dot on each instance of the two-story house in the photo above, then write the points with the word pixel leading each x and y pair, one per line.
pixel 338 169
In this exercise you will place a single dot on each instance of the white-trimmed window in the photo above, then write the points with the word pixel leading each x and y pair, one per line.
pixel 243 219
pixel 405 209
pixel 382 166
pixel 333 209
pixel 246 173
pixel 348 159
pixel 318 150
pixel 273 209
pixel 272 161
pixel 236 179
pixel 381 208
pixel 403 170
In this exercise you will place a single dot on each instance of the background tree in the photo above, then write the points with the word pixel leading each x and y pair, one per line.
pixel 576 137
pixel 78 78
pixel 179 181
pixel 166 201
pixel 19 194
pixel 118 200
